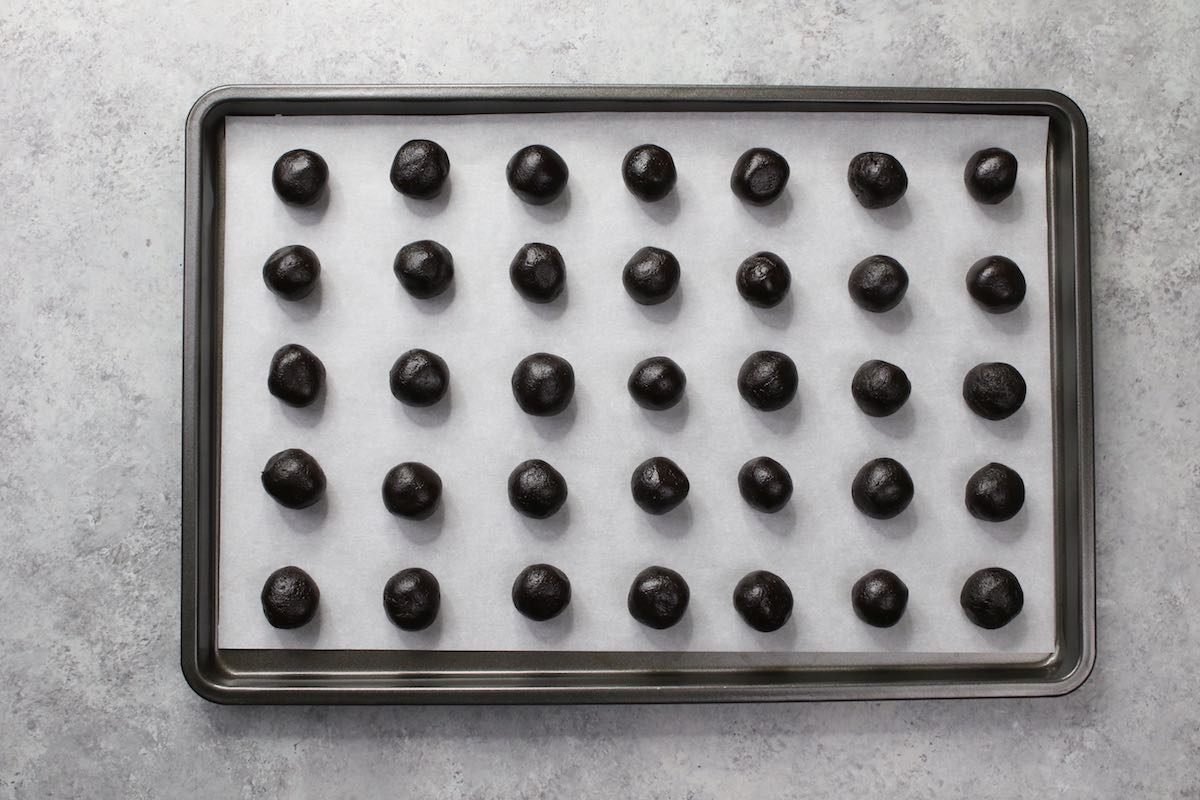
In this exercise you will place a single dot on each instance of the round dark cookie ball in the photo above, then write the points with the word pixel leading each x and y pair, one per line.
pixel 882 488
pixel 651 275
pixel 768 380
pixel 293 478
pixel 291 272
pixel 759 176
pixel 657 383
pixel 538 272
pixel 659 485
pixel 991 175
pixel 763 279
pixel 763 600
pixel 412 490
pixel 419 378
pixel 878 180
pixel 299 177
pixel 412 598
pixel 878 283
pixel 543 384
pixel 765 484
pixel 996 283
pixel 649 172
pixel 994 390
pixel 880 388
pixel 992 597
pixel 658 597
pixel 296 375
pixel 536 489
pixel 420 169
pixel 537 174
pixel 995 493
pixel 541 592
pixel 290 598
pixel 424 268
pixel 879 598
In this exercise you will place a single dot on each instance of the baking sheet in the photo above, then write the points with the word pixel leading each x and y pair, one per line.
pixel 360 320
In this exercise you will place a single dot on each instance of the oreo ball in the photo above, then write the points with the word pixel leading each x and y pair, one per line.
pixel 996 283
pixel 419 169
pixel 537 174
pixel 763 279
pixel 538 273
pixel 649 172
pixel 651 276
pixel 879 598
pixel 658 597
pixel 543 384
pixel 293 478
pixel 536 489
pixel 759 176
pixel 880 388
pixel 991 175
pixel 657 383
pixel 658 485
pixel 290 598
pixel 994 390
pixel 412 598
pixel 425 269
pixel 299 177
pixel 878 283
pixel 541 592
pixel 768 380
pixel 763 600
pixel 882 488
pixel 765 484
pixel 296 375
pixel 419 378
pixel 995 493
pixel 877 179
pixel 992 597
pixel 291 272
pixel 412 490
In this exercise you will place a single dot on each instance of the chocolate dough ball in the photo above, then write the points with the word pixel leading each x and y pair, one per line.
pixel 296 375
pixel 994 390
pixel 538 273
pixel 425 268
pixel 651 276
pixel 299 177
pixel 293 478
pixel 649 172
pixel 763 279
pixel 996 283
pixel 419 169
pixel 879 598
pixel 878 283
pixel 411 599
pixel 759 176
pixel 290 598
pixel 995 493
pixel 291 272
pixel 537 174
pixel 991 175
pixel 536 489
pixel 658 597
pixel 412 490
pixel 882 488
pixel 768 380
pixel 659 485
pixel 657 383
pixel 764 600
pixel 419 378
pixel 992 597
pixel 541 592
pixel 880 388
pixel 765 484
pixel 543 384
pixel 877 179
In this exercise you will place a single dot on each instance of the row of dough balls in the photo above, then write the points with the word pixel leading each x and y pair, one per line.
pixel 658 597
pixel 538 175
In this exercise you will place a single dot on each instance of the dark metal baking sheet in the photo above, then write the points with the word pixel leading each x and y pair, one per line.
pixel 357 676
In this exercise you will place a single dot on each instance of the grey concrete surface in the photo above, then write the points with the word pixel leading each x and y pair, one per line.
pixel 92 103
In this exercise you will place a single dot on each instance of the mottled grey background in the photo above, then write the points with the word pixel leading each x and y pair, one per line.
pixel 91 213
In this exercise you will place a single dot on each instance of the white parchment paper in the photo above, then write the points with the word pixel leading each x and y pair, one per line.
pixel 360 320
